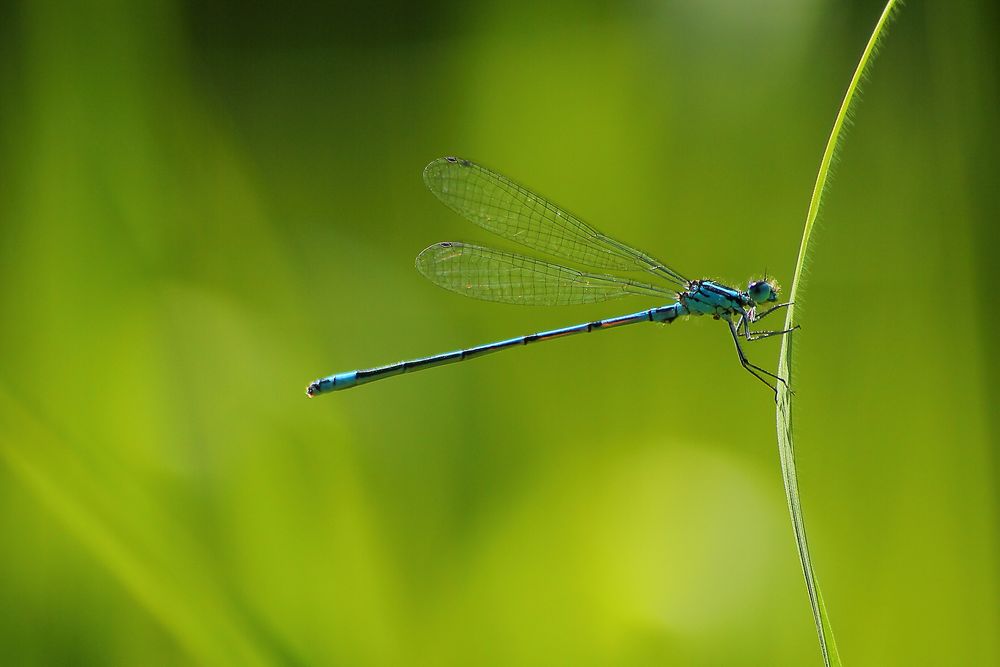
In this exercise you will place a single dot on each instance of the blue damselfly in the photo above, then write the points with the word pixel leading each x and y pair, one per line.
pixel 503 207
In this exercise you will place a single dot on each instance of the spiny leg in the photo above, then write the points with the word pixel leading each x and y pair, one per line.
pixel 744 322
pixel 750 368
pixel 760 316
pixel 745 362
pixel 757 335
pixel 753 316
pixel 748 318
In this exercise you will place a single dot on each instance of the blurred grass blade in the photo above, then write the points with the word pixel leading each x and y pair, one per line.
pixel 786 447
pixel 161 574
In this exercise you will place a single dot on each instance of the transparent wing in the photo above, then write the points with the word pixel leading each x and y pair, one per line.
pixel 495 275
pixel 496 203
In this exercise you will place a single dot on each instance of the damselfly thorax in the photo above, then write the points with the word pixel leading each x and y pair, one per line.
pixel 707 297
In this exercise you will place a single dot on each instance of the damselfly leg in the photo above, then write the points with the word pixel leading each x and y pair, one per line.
pixel 753 316
pixel 751 368
pixel 758 335
pixel 760 316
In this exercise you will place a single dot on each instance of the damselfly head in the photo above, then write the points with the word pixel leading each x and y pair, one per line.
pixel 762 291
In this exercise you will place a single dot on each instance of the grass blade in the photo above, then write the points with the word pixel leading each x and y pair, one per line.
pixel 786 448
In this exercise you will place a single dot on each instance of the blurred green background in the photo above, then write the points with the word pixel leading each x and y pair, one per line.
pixel 204 206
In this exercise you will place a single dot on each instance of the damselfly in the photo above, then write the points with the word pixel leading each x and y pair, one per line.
pixel 503 207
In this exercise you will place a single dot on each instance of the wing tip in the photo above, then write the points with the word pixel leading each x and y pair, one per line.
pixel 431 254
pixel 435 166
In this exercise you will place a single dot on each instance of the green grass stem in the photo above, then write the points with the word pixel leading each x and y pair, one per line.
pixel 786 448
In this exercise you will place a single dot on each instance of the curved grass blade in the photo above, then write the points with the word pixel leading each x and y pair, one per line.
pixel 786 448
pixel 497 275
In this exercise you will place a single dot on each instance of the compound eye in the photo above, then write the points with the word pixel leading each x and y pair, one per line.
pixel 762 291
